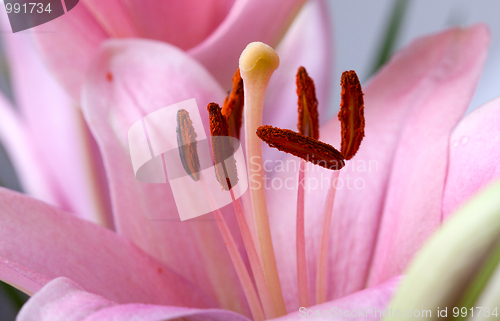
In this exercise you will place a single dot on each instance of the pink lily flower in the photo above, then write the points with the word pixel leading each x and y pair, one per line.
pixel 165 269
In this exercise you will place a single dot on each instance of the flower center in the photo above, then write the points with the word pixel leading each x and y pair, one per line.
pixel 257 63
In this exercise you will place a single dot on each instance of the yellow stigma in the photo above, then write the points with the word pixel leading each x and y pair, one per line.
pixel 258 59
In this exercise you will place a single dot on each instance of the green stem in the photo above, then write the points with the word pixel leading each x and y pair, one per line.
pixel 391 34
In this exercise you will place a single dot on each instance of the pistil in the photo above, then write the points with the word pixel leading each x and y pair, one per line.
pixel 257 63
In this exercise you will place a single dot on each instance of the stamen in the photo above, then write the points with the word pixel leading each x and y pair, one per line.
pixel 308 105
pixel 306 145
pixel 351 114
pixel 257 63
pixel 241 270
pixel 253 257
pixel 308 125
pixel 218 123
pixel 233 106
pixel 307 148
pixel 303 284
pixel 352 120
pixel 218 128
pixel 239 265
pixel 186 140
pixel 225 164
pixel 321 268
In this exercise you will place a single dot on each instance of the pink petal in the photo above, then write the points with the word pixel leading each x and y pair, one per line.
pixel 53 243
pixel 413 85
pixel 62 299
pixel 182 23
pixel 474 159
pixel 413 199
pixel 146 76
pixel 21 277
pixel 68 44
pixel 307 43
pixel 218 30
pixel 143 312
pixel 356 305
pixel 248 20
pixel 62 142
